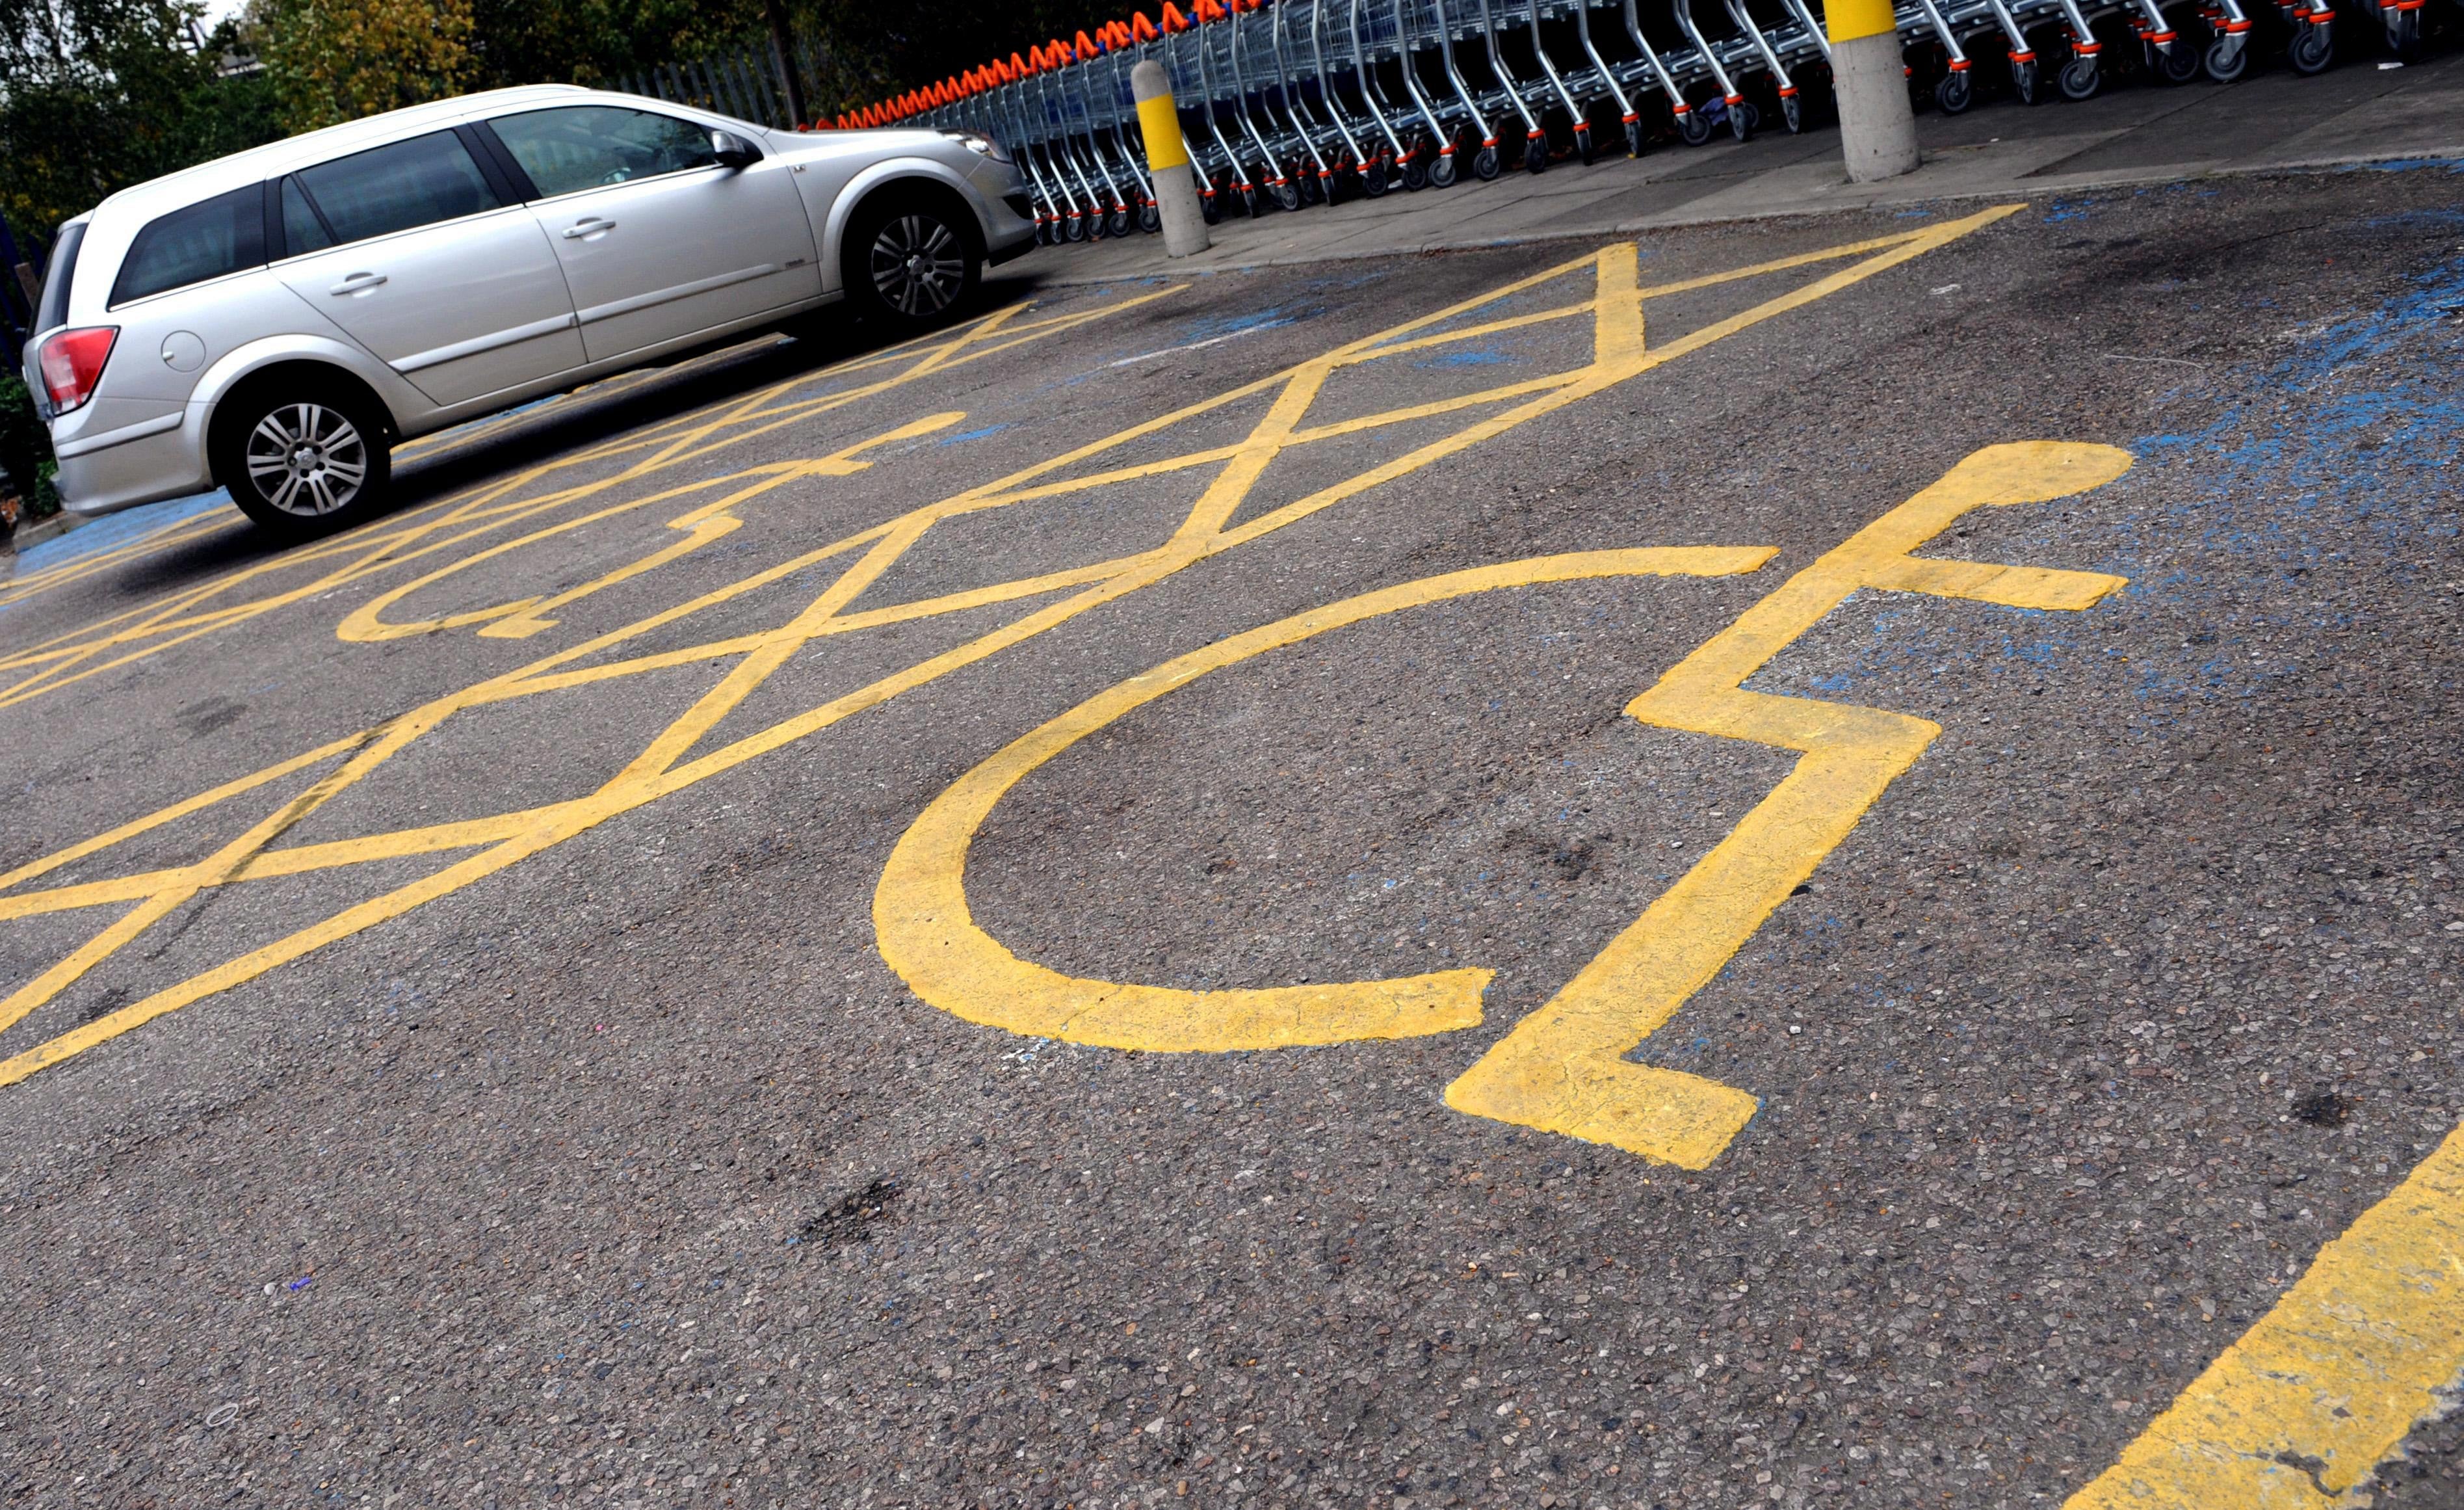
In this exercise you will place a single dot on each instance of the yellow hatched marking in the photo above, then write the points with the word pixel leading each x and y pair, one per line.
pixel 449 524
pixel 671 762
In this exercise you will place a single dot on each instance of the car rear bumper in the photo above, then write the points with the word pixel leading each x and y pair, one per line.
pixel 106 474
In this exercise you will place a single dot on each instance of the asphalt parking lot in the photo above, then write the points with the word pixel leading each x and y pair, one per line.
pixel 1804 863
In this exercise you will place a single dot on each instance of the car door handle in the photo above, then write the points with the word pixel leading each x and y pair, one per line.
pixel 357 284
pixel 587 228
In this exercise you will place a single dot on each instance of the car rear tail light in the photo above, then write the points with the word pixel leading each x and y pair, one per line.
pixel 72 364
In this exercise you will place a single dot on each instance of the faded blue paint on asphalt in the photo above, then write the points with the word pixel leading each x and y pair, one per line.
pixel 115 530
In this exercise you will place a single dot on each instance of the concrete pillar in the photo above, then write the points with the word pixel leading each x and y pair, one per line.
pixel 1878 130
pixel 1176 184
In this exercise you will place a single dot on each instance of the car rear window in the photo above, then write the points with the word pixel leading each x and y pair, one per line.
pixel 396 188
pixel 222 235
pixel 51 310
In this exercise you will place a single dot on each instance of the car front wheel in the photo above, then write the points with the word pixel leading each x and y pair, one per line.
pixel 302 464
pixel 911 262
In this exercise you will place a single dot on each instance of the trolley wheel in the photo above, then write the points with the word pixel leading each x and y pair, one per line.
pixel 1743 118
pixel 1372 177
pixel 2179 66
pixel 1792 112
pixel 2404 36
pixel 1484 164
pixel 2023 80
pixel 1693 129
pixel 1119 223
pixel 2313 49
pixel 1210 207
pixel 1288 196
pixel 1442 172
pixel 1535 154
pixel 2079 79
pixel 1076 228
pixel 1634 138
pixel 1583 141
pixel 1954 93
pixel 2228 58
pixel 1415 173
pixel 1151 218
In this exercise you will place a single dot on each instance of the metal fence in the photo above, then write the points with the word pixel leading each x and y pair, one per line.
pixel 741 81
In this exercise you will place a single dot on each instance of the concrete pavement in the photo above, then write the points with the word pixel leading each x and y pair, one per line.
pixel 2269 122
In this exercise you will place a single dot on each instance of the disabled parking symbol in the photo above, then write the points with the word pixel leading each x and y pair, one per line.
pixel 1563 1068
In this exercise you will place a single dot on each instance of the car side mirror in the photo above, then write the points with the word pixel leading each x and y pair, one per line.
pixel 729 151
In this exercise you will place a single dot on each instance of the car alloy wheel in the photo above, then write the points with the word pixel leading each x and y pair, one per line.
pixel 920 265
pixel 307 459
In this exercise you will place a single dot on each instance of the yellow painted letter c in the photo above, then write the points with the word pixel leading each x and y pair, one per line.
pixel 926 935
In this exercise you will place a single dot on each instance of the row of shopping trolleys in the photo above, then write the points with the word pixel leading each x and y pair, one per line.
pixel 1287 102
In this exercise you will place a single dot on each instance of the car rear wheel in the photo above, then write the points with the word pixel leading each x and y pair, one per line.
pixel 302 462
pixel 910 261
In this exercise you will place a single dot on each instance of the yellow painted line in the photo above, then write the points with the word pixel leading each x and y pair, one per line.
pixel 928 935
pixel 187 531
pixel 689 438
pixel 1564 1068
pixel 2297 1413
pixel 276 864
pixel 668 763
pixel 523 618
pixel 179 809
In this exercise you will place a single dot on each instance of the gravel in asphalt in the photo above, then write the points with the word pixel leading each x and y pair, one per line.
pixel 630 1173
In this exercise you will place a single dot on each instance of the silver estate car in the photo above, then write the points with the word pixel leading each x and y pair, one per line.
pixel 273 322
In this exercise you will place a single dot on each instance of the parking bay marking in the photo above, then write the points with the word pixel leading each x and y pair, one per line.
pixel 137 633
pixel 1614 310
pixel 2293 1414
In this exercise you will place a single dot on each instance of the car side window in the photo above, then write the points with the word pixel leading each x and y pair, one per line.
pixel 396 188
pixel 303 229
pixel 583 147
pixel 218 235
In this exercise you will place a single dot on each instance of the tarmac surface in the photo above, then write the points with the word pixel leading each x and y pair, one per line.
pixel 1412 882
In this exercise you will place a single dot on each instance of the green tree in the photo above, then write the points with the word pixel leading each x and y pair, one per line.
pixel 598 41
pixel 336 60
pixel 95 95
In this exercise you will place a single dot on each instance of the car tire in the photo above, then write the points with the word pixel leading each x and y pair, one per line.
pixel 912 260
pixel 303 457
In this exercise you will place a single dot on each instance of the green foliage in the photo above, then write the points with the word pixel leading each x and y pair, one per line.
pixel 95 95
pixel 337 60
pixel 25 450
pixel 595 41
